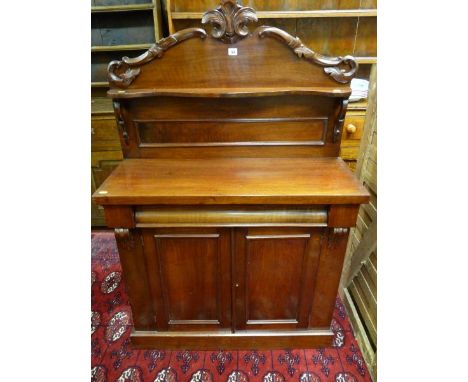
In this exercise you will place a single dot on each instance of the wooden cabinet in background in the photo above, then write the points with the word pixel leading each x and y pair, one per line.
pixel 106 152
pixel 334 28
pixel 120 27
pixel 352 132
pixel 359 281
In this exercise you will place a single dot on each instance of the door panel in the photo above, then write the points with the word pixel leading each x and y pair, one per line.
pixel 190 276
pixel 274 277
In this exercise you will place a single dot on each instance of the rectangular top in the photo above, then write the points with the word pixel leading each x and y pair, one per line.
pixel 231 181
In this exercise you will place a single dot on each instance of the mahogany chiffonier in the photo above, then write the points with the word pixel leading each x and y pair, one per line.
pixel 231 208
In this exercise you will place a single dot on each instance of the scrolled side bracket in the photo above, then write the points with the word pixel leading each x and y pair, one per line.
pixel 332 65
pixel 121 73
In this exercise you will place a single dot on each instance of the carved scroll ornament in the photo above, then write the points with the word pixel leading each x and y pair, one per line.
pixel 332 64
pixel 122 73
pixel 229 21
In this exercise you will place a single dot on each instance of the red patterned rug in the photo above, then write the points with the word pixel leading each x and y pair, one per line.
pixel 114 359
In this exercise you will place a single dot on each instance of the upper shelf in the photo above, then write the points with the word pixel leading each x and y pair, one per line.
pixel 366 60
pixel 292 14
pixel 113 48
pixel 122 8
pixel 228 92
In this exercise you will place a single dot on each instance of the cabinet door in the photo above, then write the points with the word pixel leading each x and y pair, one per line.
pixel 274 274
pixel 189 273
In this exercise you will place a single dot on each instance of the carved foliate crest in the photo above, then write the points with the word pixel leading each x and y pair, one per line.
pixel 229 21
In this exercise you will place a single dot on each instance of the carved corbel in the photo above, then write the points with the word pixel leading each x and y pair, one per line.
pixel 122 73
pixel 120 121
pixel 337 131
pixel 124 238
pixel 336 235
pixel 229 21
pixel 332 64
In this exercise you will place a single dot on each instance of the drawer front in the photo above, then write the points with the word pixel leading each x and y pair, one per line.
pixel 104 134
pixel 232 216
pixel 349 150
pixel 353 126
pixel 351 138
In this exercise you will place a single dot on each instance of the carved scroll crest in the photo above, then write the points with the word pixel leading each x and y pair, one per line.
pixel 229 21
pixel 332 64
pixel 122 73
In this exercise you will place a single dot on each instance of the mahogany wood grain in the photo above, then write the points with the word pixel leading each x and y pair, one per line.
pixel 206 132
pixel 328 277
pixel 222 92
pixel 232 181
pixel 119 217
pixel 191 268
pixel 230 216
pixel 172 108
pixel 232 207
pixel 248 126
pixel 254 67
pixel 342 215
pixel 273 276
pixel 136 276
pixel 253 150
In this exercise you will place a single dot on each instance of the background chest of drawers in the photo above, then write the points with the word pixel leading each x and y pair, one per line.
pixel 106 152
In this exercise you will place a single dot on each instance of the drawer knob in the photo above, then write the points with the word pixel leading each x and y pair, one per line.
pixel 351 129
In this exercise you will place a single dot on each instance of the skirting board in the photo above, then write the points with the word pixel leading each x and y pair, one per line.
pixel 230 341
